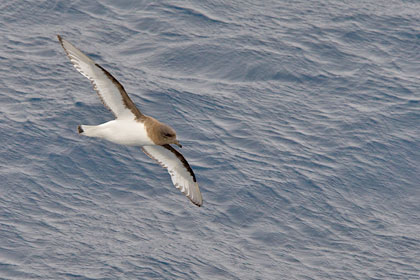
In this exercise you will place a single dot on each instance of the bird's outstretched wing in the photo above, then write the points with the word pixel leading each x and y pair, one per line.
pixel 111 92
pixel 181 173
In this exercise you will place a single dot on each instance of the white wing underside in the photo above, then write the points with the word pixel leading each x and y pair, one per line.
pixel 108 88
pixel 181 173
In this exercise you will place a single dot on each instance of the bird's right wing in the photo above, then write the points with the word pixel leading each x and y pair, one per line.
pixel 181 173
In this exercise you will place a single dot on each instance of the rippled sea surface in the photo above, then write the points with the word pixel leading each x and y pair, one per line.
pixel 301 120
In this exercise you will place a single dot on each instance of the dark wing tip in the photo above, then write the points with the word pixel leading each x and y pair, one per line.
pixel 196 203
pixel 60 39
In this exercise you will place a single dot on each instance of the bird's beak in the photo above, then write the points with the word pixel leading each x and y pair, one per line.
pixel 178 144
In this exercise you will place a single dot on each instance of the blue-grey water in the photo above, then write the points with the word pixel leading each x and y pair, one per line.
pixel 301 120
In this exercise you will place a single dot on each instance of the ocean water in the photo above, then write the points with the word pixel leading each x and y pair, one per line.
pixel 301 120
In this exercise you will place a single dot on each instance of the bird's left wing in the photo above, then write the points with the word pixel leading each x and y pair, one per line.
pixel 181 173
pixel 111 92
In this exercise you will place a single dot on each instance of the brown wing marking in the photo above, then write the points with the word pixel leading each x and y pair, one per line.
pixel 126 99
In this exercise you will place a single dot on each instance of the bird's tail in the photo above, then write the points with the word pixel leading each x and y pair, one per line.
pixel 86 130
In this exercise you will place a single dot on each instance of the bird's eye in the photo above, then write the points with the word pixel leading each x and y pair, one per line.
pixel 168 135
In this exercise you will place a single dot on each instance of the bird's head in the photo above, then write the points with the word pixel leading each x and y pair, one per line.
pixel 160 133
pixel 167 135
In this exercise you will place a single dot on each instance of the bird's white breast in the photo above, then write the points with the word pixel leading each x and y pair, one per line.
pixel 124 132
